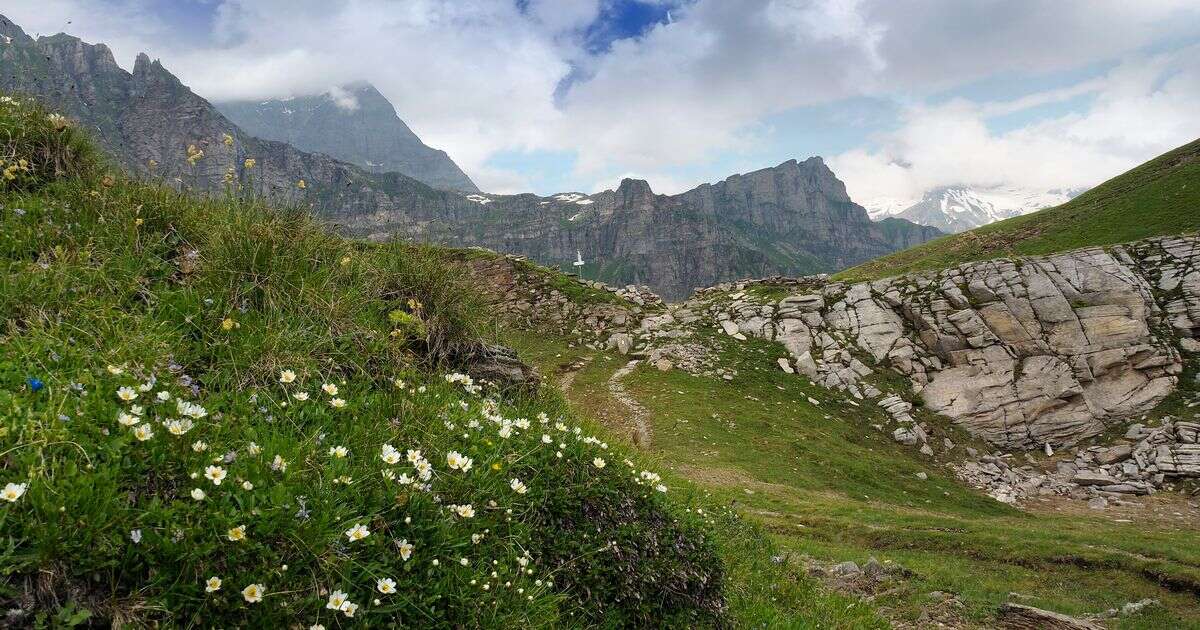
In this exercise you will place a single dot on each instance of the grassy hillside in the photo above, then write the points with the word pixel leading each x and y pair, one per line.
pixel 830 487
pixel 214 413
pixel 1159 197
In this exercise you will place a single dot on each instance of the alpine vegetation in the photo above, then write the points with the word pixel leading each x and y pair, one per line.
pixel 213 412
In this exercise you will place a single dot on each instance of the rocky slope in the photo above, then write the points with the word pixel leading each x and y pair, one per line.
pixel 354 123
pixel 1022 353
pixel 1035 353
pixel 795 218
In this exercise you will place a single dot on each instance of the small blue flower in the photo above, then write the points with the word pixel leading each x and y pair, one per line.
pixel 35 384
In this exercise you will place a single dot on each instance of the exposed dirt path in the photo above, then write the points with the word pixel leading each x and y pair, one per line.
pixel 637 413
pixel 568 375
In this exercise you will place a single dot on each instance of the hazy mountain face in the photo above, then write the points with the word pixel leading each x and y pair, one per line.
pixel 354 123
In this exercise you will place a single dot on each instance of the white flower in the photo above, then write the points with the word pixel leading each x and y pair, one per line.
pixel 505 431
pixel 236 534
pixel 349 608
pixel 387 586
pixel 253 593
pixel 660 487
pixel 339 452
pixel 13 491
pixel 465 511
pixel 546 439
pixel 336 599
pixel 253 448
pixel 136 410
pixel 301 396
pixel 127 419
pixel 198 494
pixel 199 446
pixel 191 410
pixel 413 456
pixel 330 388
pixel 358 532
pixel 598 462
pixel 212 584
pixel 464 561
pixel 246 485
pixel 280 464
pixel 389 454
pixel 287 376
pixel 145 387
pixel 163 396
pixel 143 432
pixel 115 370
pixel 316 626
pixel 126 394
pixel 406 549
pixel 337 403
pixel 216 474
pixel 517 486
pixel 136 536
pixel 179 427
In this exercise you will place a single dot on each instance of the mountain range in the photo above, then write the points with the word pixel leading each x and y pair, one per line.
pixel 961 208
pixel 795 218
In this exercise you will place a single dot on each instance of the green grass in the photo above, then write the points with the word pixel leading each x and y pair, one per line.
pixel 1160 197
pixel 829 486
pixel 107 284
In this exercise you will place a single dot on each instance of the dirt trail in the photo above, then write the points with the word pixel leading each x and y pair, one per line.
pixel 637 413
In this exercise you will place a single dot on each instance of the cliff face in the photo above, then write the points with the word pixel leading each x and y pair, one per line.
pixel 792 219
pixel 1023 352
pixel 356 124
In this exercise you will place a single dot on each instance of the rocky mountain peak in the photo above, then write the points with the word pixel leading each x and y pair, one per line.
pixel 633 191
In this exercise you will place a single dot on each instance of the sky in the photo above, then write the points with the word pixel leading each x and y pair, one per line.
pixel 545 96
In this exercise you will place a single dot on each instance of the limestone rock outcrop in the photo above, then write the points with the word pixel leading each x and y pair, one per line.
pixel 1022 352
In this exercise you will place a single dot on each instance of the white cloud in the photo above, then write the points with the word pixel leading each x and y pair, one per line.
pixel 1140 109
pixel 343 98
pixel 480 77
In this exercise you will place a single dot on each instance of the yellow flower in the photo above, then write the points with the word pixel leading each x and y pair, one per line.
pixel 212 585
pixel 153 164
pixel 253 593
pixel 228 140
pixel 138 221
pixel 345 260
pixel 249 163
pixel 301 185
pixel 236 534
pixel 228 324
pixel 115 370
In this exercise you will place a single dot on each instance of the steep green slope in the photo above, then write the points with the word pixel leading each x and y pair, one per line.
pixel 1159 197
pixel 213 412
